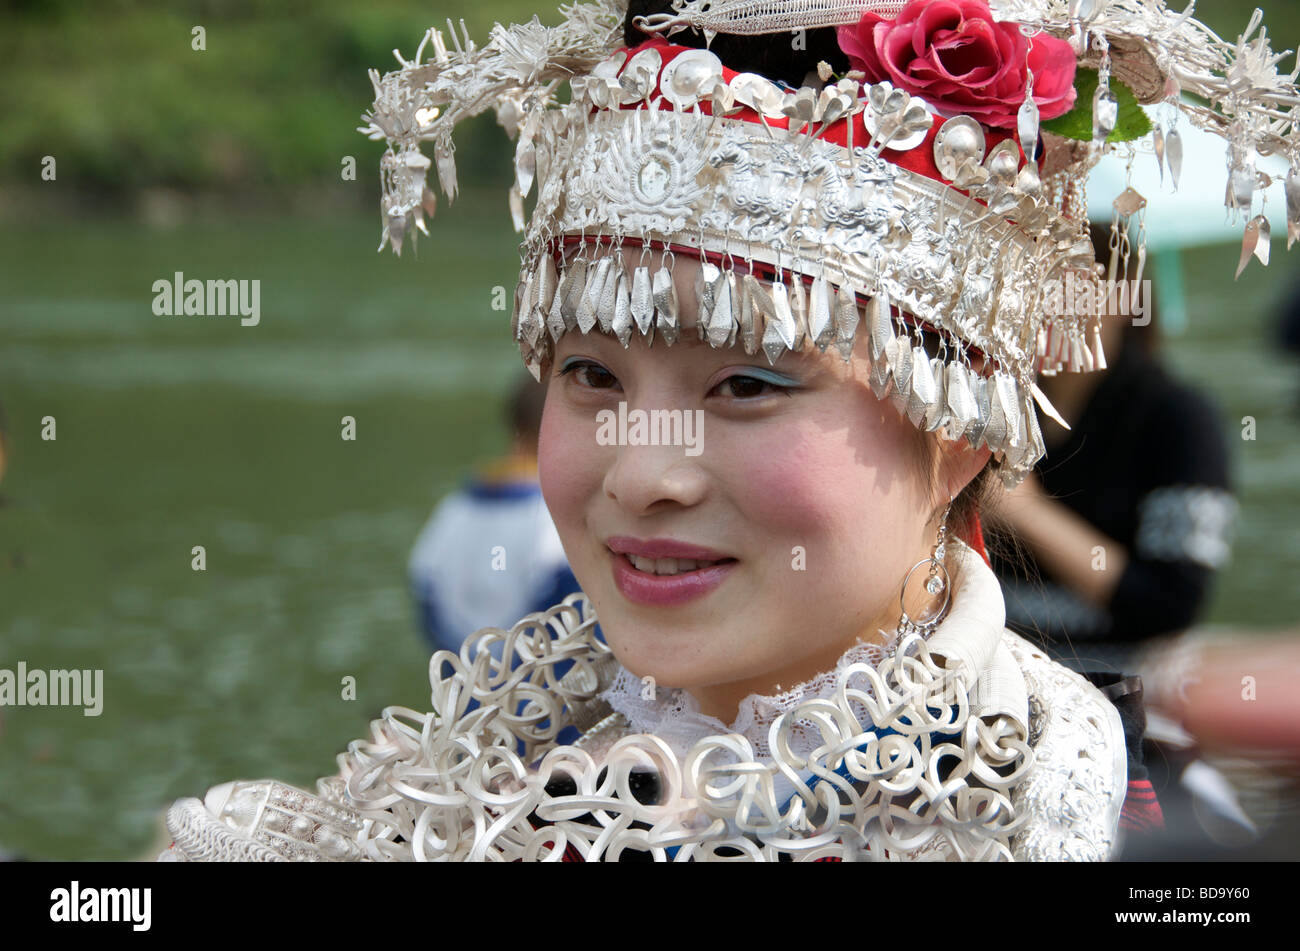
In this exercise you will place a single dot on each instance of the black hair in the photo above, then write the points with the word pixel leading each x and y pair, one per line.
pixel 789 57
pixel 524 409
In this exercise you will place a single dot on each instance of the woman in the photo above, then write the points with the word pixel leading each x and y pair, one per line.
pixel 789 339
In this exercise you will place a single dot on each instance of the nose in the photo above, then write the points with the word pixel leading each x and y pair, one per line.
pixel 644 480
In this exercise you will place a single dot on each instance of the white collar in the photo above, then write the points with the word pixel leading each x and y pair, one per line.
pixel 969 634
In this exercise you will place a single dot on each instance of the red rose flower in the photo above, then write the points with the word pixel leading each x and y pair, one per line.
pixel 954 56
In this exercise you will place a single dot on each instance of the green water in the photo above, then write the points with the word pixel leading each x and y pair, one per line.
pixel 174 432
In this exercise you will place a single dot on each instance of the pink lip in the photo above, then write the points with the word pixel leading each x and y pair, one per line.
pixel 662 548
pixel 641 587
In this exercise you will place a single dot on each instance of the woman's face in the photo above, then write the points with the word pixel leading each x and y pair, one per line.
pixel 796 476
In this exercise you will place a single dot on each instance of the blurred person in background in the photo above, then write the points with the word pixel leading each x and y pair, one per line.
pixel 1125 522
pixel 1111 545
pixel 489 553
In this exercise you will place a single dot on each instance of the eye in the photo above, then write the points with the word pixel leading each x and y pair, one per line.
pixel 744 387
pixel 589 375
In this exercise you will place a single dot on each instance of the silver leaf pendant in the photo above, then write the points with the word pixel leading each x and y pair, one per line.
pixel 975 431
pixel 525 165
pixel 847 318
pixel 880 324
pixel 1158 143
pixel 1006 386
pixel 1027 119
pixel 523 290
pixel 1292 206
pixel 587 307
pixel 547 280
pixel 1250 243
pixel 1174 155
pixel 760 303
pixel 516 210
pixel 960 400
pixel 778 330
pixel 665 298
pixel 573 293
pixel 799 312
pixel 643 304
pixel 555 317
pixel 1241 188
pixel 704 297
pixel 878 376
pixel 820 325
pixel 921 390
pixel 936 411
pixel 995 433
pixel 899 354
pixel 530 322
pixel 622 322
pixel 781 317
pixel 609 295
pixel 1105 113
pixel 722 316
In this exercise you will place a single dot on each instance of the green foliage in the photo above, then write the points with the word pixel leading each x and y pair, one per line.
pixel 116 93
pixel 1077 123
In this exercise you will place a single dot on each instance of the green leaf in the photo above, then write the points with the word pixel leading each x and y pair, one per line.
pixel 1077 123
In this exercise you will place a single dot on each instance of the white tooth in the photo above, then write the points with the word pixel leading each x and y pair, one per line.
pixel 686 564
pixel 642 564
pixel 665 566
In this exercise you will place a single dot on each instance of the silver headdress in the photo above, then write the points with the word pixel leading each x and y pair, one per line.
pixel 843 204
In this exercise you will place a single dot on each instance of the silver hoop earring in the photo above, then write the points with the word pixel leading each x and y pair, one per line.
pixel 935 584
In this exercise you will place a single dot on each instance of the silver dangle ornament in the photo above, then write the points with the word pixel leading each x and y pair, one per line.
pixel 1174 155
pixel 571 298
pixel 799 311
pixel 759 307
pixel 643 305
pixel 1256 241
pixel 722 319
pixel 922 390
pixel 1158 143
pixel 554 317
pixel 899 353
pixel 543 297
pixel 980 389
pixel 704 281
pixel 1105 107
pixel 607 299
pixel 936 410
pixel 665 298
pixel 1127 204
pixel 820 325
pixel 847 317
pixel 622 321
pixel 1027 119
pixel 1240 190
pixel 937 582
pixel 588 307
pixel 779 333
pixel 1292 206
pixel 960 399
pixel 1105 111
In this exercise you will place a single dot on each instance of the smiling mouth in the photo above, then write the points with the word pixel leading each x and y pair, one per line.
pixel 671 566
